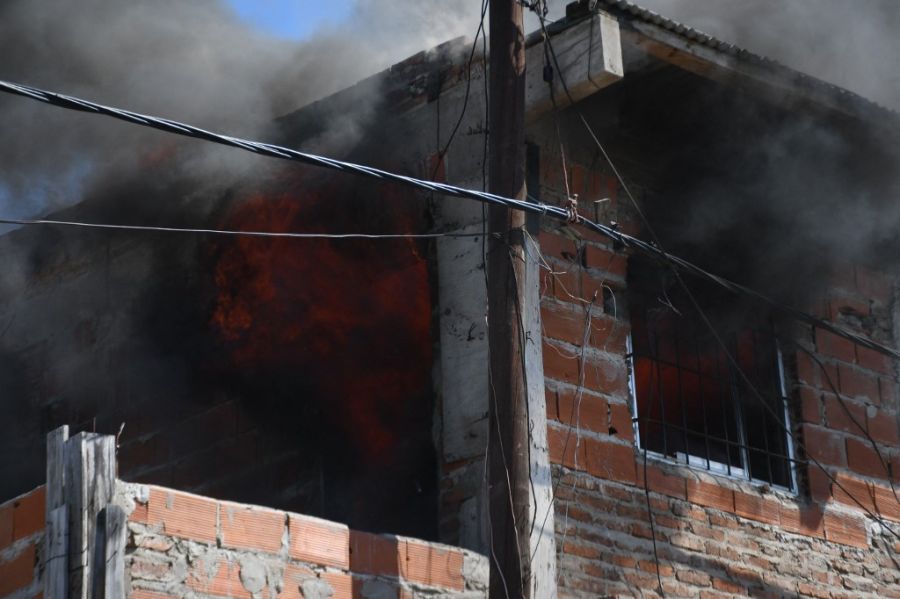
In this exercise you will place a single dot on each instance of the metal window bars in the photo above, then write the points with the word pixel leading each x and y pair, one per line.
pixel 691 405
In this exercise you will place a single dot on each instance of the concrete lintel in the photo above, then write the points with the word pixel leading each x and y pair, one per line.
pixel 589 54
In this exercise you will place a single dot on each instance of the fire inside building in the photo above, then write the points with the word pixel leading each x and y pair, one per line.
pixel 210 415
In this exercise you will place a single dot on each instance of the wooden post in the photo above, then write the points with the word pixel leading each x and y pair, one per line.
pixel 508 437
pixel 90 478
pixel 56 533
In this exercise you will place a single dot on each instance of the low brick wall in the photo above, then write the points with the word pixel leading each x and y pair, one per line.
pixel 21 539
pixel 180 545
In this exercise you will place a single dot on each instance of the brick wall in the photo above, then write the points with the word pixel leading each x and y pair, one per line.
pixel 715 536
pixel 21 539
pixel 181 544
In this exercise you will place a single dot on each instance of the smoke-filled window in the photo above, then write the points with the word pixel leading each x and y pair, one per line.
pixel 717 404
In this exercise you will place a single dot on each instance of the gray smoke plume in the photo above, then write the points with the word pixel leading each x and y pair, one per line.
pixel 851 44
pixel 192 61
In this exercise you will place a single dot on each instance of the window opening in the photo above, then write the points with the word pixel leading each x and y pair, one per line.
pixel 691 403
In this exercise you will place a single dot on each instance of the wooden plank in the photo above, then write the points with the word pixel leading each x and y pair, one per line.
pixel 114 579
pixel 90 485
pixel 108 572
pixel 56 446
pixel 57 553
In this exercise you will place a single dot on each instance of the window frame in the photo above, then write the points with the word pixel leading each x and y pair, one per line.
pixel 705 464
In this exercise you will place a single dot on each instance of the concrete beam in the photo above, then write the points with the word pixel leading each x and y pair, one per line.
pixel 589 54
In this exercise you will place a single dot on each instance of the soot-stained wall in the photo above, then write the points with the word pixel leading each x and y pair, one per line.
pixel 293 373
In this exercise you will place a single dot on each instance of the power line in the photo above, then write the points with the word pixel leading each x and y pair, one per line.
pixel 556 212
pixel 232 232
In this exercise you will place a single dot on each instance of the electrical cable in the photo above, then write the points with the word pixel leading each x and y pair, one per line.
pixel 627 241
pixel 232 232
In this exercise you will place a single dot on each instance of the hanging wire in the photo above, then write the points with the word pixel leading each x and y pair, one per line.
pixel 232 232
pixel 274 151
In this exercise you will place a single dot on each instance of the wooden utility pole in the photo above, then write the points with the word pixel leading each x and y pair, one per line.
pixel 508 438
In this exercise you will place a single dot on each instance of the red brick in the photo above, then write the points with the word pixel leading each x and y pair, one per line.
pixel 319 541
pixel 592 410
pixel 849 491
pixel 807 369
pixel 17 572
pixel 829 344
pixel 341 583
pixel 728 587
pixel 810 405
pixel 710 495
pixel 883 426
pixel 551 401
pixel 6 525
pixel 560 364
pixel 808 521
pixel 845 415
pixel 565 448
pixel 845 529
pixel 609 263
pixel 608 334
pixel 874 285
pixel 585 551
pixel 557 246
pixel 610 460
pixel 873 360
pixel 858 384
pixel 824 445
pixel 431 565
pixel 223 581
pixel 886 502
pixel 863 459
pixel 608 376
pixel 28 514
pixel 374 554
pixel 754 507
pixel 888 392
pixel 294 577
pixel 819 484
pixel 565 285
pixel 245 527
pixel 620 421
pixel 565 322
pixel 578 180
pixel 183 515
pixel 660 481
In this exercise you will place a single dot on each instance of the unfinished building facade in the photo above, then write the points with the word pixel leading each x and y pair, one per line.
pixel 686 440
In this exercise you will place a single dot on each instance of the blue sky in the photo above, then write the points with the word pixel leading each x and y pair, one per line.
pixel 292 19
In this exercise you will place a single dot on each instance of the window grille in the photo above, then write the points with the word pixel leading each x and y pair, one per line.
pixel 690 402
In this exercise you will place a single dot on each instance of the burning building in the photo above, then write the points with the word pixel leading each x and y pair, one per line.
pixel 685 440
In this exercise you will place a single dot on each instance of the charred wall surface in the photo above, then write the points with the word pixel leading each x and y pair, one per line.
pixel 294 373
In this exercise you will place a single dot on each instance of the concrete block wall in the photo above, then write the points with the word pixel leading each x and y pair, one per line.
pixel 182 545
pixel 716 537
pixel 21 542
